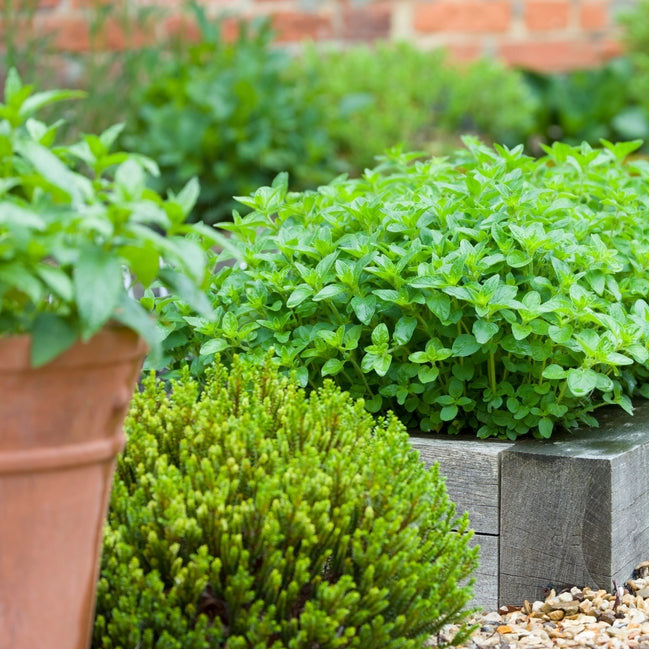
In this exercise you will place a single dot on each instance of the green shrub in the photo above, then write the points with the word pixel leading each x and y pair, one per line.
pixel 391 94
pixel 587 105
pixel 489 292
pixel 230 114
pixel 635 21
pixel 255 516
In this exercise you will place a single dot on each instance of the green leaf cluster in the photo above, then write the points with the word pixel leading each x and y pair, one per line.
pixel 230 113
pixel 255 516
pixel 488 292
pixel 72 244
pixel 391 93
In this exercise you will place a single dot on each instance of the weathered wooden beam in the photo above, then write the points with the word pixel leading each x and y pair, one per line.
pixel 573 510
pixel 472 471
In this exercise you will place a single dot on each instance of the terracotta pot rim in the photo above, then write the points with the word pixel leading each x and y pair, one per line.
pixel 59 458
pixel 100 350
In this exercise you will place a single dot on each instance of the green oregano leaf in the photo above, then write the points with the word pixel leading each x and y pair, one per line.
pixel 465 345
pixel 484 331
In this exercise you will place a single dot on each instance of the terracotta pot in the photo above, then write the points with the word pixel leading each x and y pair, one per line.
pixel 60 431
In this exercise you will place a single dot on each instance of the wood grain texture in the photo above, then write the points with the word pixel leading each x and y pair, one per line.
pixel 472 471
pixel 485 589
pixel 575 510
pixel 630 511
pixel 555 524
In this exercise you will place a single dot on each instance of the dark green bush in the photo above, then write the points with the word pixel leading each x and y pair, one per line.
pixel 394 93
pixel 635 21
pixel 490 292
pixel 230 114
pixel 254 516
pixel 587 105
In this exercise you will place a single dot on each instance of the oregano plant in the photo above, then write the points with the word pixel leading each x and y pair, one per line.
pixel 79 229
pixel 489 292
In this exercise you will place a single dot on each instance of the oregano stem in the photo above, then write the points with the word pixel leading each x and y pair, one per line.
pixel 360 372
pixel 492 372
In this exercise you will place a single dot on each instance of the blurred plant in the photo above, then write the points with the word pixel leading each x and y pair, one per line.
pixel 635 36
pixel 587 105
pixel 22 47
pixel 393 93
pixel 229 113
pixel 122 52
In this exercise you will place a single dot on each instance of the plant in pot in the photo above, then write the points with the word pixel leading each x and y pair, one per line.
pixel 72 339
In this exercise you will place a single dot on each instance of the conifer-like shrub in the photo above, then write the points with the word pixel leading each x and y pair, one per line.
pixel 488 292
pixel 253 515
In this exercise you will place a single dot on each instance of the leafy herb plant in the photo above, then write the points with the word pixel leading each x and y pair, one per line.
pixel 71 244
pixel 256 516
pixel 488 292
pixel 229 113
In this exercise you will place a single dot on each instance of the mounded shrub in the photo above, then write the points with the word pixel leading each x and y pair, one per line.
pixel 390 93
pixel 490 292
pixel 254 516
pixel 230 113
pixel 635 35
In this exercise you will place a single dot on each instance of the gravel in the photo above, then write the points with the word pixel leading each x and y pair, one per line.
pixel 576 617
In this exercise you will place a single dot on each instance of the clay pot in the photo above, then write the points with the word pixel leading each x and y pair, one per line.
pixel 60 431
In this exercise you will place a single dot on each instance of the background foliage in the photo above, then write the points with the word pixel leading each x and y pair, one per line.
pixel 256 516
pixel 393 93
pixel 635 22
pixel 230 114
pixel 587 105
pixel 237 112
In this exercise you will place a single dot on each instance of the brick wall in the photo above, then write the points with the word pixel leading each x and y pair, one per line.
pixel 539 34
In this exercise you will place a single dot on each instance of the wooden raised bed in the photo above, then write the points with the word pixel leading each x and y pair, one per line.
pixel 573 510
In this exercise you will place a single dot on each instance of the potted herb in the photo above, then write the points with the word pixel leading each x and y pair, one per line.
pixel 72 339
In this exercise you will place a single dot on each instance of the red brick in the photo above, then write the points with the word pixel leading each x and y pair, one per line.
pixel 594 15
pixel 462 16
pixel 550 56
pixel 182 27
pixel 72 34
pixel 185 28
pixel 464 52
pixel 89 4
pixel 116 36
pixel 297 25
pixel 69 34
pixel 543 15
pixel 610 48
pixel 367 22
pixel 29 6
